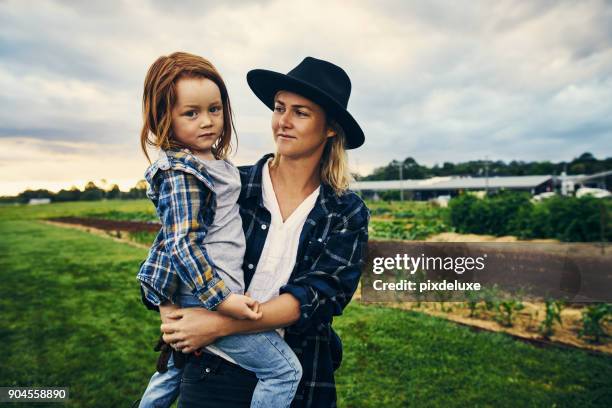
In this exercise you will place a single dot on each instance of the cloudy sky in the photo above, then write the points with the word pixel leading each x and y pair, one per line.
pixel 435 80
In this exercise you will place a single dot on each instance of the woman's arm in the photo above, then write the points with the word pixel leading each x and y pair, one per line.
pixel 327 287
pixel 198 327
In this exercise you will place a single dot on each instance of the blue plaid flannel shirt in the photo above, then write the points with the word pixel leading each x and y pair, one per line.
pixel 331 254
pixel 182 192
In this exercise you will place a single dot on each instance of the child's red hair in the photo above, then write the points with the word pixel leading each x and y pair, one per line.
pixel 159 97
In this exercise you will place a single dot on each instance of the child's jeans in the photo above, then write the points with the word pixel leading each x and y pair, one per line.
pixel 266 354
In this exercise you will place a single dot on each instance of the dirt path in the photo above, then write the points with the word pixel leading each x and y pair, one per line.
pixel 115 235
pixel 109 225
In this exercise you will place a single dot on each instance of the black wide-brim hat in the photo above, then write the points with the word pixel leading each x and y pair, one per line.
pixel 320 81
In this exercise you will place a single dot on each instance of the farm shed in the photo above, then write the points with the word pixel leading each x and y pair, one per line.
pixel 439 186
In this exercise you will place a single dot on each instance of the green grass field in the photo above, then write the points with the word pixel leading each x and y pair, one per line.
pixel 71 316
pixel 77 209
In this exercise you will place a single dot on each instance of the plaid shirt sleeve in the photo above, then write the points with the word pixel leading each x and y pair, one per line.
pixel 157 280
pixel 185 222
pixel 327 287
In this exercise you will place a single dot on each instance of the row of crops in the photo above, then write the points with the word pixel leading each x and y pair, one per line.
pixel 407 220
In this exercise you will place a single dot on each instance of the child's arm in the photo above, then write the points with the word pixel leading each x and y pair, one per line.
pixel 240 307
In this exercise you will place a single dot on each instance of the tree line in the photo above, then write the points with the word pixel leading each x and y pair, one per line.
pixel 586 163
pixel 91 192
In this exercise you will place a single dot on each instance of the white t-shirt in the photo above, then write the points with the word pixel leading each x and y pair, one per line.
pixel 280 249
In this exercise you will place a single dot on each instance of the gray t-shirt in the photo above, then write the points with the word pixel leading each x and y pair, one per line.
pixel 225 242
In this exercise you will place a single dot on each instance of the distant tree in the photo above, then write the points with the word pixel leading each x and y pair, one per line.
pixel 92 192
pixel 9 199
pixel 584 157
pixel 138 191
pixel 114 193
pixel 74 194
pixel 25 196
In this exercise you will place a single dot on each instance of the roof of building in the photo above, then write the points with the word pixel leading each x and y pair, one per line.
pixel 454 183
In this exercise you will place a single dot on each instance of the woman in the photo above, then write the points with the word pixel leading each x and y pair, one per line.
pixel 306 239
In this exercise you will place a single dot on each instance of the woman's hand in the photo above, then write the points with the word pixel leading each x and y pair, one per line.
pixel 193 328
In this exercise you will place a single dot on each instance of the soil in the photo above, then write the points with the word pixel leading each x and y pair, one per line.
pixel 455 237
pixel 118 235
pixel 109 225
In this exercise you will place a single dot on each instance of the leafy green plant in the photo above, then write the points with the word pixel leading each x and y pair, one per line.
pixel 473 298
pixel 553 314
pixel 506 311
pixel 593 319
pixel 490 296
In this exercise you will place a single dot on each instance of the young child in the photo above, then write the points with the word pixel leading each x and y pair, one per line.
pixel 196 259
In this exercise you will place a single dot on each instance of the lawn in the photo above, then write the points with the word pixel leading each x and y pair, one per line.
pixel 71 316
pixel 129 209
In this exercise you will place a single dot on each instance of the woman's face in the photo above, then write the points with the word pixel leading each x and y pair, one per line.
pixel 299 126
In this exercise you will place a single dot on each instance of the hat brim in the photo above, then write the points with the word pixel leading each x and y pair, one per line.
pixel 265 84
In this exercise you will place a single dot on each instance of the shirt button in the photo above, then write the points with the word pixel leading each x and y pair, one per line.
pixel 250 266
pixel 320 239
pixel 207 370
pixel 264 226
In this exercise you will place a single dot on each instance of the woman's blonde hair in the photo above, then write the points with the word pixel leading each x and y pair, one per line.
pixel 159 97
pixel 334 166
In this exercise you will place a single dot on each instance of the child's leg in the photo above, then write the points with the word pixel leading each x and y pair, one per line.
pixel 163 388
pixel 274 363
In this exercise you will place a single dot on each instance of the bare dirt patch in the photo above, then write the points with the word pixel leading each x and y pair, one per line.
pixel 109 225
pixel 118 235
pixel 456 237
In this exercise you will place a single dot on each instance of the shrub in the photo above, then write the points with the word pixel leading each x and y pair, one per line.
pixel 567 219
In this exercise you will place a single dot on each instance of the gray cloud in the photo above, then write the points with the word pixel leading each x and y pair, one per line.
pixel 435 80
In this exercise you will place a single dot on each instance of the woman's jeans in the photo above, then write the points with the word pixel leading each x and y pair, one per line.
pixel 266 354
pixel 210 381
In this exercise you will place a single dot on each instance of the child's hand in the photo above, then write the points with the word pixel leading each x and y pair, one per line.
pixel 165 309
pixel 240 307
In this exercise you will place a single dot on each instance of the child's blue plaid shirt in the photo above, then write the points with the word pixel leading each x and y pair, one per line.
pixel 183 194
pixel 330 256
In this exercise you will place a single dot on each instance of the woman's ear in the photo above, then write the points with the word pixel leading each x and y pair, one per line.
pixel 331 132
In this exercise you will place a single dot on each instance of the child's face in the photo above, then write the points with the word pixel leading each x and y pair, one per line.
pixel 197 115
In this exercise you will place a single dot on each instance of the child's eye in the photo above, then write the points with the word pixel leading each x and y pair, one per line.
pixel 191 114
pixel 215 109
